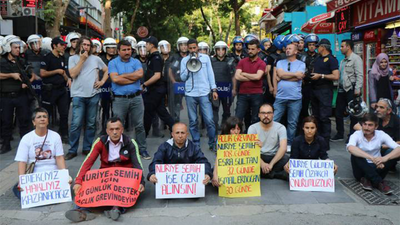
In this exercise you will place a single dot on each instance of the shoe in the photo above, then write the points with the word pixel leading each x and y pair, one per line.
pixel 70 156
pixel 365 184
pixel 65 139
pixel 85 152
pixel 77 215
pixel 384 188
pixel 393 169
pixel 5 148
pixel 289 149
pixel 145 155
pixel 337 138
pixel 114 214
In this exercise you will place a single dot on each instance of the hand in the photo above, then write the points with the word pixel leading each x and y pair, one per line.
pixel 278 78
pixel 153 179
pixel 24 86
pixel 299 75
pixel 84 56
pixel 70 180
pixel 98 84
pixel 69 82
pixel 315 76
pixel 264 167
pixel 19 188
pixel 15 76
pixel 380 166
pixel 214 181
pixel 77 188
pixel 234 93
pixel 141 188
pixel 286 167
pixel 373 105
pixel 61 71
pixel 215 96
pixel 275 92
pixel 271 90
pixel 206 179
pixel 391 78
pixel 357 93
pixel 379 160
pixel 259 143
pixel 335 168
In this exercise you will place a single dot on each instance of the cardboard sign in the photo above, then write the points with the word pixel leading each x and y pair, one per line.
pixel 238 158
pixel 180 181
pixel 114 186
pixel 44 188
pixel 311 175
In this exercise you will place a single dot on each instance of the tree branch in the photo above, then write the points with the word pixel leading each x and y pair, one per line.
pixel 207 23
pixel 134 16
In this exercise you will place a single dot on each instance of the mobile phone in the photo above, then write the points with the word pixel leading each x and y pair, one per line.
pixel 83 51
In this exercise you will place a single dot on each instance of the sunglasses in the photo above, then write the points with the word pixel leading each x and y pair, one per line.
pixel 388 102
pixel 288 67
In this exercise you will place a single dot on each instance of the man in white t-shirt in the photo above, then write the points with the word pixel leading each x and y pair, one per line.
pixel 369 167
pixel 273 142
pixel 84 70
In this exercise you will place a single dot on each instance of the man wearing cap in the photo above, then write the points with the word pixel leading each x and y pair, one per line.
pixel 55 79
pixel 325 72
pixel 155 87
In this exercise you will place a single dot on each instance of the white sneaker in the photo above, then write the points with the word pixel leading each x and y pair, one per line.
pixel 289 147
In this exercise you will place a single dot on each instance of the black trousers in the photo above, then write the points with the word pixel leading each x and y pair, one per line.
pixel 106 105
pixel 361 168
pixel 321 102
pixel 21 105
pixel 226 108
pixel 342 101
pixel 154 103
pixel 57 97
pixel 278 167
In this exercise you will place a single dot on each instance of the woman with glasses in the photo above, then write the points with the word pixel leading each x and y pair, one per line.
pixel 40 146
pixel 380 80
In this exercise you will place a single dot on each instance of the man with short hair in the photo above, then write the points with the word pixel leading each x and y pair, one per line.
pixel 350 86
pixel 179 150
pixel 125 73
pixel 198 86
pixel 369 167
pixel 85 89
pixel 273 142
pixel 290 72
pixel 115 150
pixel 249 72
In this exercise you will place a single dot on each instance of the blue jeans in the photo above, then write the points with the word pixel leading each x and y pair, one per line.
pixel 246 101
pixel 83 109
pixel 135 107
pixel 206 112
pixel 293 108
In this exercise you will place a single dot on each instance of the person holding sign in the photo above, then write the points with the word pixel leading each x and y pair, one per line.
pixel 115 150
pixel 273 143
pixel 369 167
pixel 309 145
pixel 179 150
pixel 42 147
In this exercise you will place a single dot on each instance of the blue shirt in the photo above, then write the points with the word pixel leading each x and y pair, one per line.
pixel 200 83
pixel 118 66
pixel 290 90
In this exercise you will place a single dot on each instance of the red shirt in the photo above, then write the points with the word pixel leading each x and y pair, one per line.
pixel 248 66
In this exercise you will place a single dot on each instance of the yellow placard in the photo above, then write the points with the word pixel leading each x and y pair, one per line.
pixel 238 160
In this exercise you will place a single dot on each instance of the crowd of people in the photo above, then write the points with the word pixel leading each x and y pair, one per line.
pixel 283 90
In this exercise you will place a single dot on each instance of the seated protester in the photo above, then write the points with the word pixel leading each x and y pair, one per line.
pixel 232 125
pixel 309 145
pixel 42 146
pixel 369 167
pixel 115 150
pixel 179 150
pixel 273 142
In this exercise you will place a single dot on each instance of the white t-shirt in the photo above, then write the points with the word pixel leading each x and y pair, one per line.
pixel 270 139
pixel 29 146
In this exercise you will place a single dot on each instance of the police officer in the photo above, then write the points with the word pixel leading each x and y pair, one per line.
pixel 204 48
pixel 265 44
pixel 156 87
pixel 96 49
pixel 223 72
pixel 133 42
pixel 35 53
pixel 55 79
pixel 13 93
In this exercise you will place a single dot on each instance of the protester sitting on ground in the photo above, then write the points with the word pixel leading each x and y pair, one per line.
pixel 309 145
pixel 369 167
pixel 232 125
pixel 273 142
pixel 42 146
pixel 179 150
pixel 115 150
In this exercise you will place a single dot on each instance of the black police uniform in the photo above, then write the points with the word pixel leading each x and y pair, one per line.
pixel 154 98
pixel 322 94
pixel 35 59
pixel 13 97
pixel 54 91
pixel 175 100
pixel 223 72
pixel 105 102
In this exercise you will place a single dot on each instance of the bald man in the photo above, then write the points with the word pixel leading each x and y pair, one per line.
pixel 179 150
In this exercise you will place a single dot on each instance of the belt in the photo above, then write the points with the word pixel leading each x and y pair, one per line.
pixel 128 96
pixel 14 94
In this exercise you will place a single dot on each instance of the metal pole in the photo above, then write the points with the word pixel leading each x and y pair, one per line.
pixel 36 16
pixel 87 8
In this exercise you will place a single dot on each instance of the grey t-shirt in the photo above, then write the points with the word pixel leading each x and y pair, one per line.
pixel 83 84
pixel 271 138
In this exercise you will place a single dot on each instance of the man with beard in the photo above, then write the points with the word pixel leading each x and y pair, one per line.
pixel 273 143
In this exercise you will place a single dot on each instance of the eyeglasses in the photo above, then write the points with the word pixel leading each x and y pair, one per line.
pixel 388 102
pixel 288 67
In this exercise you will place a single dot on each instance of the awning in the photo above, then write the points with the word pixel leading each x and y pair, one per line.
pixel 338 4
pixel 267 20
pixel 319 25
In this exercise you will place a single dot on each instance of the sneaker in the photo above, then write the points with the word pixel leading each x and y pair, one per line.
pixel 337 138
pixel 77 215
pixel 145 155
pixel 384 188
pixel 114 214
pixel 70 156
pixel 289 149
pixel 365 184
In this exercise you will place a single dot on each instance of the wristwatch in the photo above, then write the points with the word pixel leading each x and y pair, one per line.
pixel 323 76
pixel 214 90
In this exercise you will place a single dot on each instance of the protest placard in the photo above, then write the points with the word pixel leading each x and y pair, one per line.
pixel 238 158
pixel 44 188
pixel 180 181
pixel 114 186
pixel 311 175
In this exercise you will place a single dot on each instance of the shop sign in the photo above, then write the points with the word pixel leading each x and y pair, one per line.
pixel 357 36
pixel 370 35
pixel 365 12
pixel 343 22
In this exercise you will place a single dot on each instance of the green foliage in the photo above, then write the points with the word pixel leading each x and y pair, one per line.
pixel 49 12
